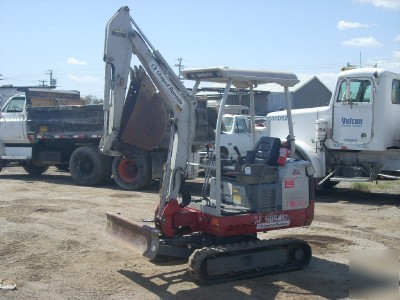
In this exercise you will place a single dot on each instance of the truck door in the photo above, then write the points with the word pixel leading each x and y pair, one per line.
pixel 353 112
pixel 13 121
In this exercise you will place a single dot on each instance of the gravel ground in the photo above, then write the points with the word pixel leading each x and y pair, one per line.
pixel 53 243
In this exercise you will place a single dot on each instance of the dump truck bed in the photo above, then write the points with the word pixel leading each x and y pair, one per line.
pixel 69 121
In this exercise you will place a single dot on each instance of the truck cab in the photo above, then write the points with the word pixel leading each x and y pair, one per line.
pixel 235 132
pixel 13 120
pixel 355 137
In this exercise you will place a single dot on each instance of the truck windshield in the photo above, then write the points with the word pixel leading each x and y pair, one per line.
pixel 15 105
pixel 360 91
pixel 241 126
pixel 227 124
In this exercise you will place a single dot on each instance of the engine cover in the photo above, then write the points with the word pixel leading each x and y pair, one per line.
pixel 269 189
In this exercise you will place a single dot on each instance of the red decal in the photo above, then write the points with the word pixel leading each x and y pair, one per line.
pixel 289 183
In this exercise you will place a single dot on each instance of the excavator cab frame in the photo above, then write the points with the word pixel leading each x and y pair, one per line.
pixel 240 78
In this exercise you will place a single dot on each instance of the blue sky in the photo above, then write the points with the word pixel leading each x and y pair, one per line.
pixel 307 37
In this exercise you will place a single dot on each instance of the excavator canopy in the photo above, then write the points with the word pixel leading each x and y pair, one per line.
pixel 241 78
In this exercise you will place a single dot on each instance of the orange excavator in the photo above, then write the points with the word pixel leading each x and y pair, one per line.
pixel 262 190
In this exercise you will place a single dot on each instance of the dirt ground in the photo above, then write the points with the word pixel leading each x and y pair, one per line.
pixel 53 244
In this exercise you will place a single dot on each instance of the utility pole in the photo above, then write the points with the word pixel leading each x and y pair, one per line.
pixel 52 80
pixel 180 67
pixel 42 81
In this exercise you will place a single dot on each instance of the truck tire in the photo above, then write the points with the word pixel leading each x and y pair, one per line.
pixel 33 170
pixel 88 167
pixel 132 174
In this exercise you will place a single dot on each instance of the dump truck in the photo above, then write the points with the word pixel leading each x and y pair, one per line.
pixel 41 128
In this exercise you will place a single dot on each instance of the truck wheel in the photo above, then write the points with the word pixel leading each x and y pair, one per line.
pixel 33 170
pixel 88 167
pixel 132 174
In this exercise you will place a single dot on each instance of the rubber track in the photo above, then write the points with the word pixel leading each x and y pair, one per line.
pixel 198 260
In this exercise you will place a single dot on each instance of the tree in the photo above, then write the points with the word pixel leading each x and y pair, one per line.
pixel 91 99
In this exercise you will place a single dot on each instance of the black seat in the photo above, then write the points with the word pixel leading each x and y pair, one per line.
pixel 266 151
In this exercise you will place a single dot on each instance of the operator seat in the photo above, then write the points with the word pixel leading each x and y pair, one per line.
pixel 264 156
pixel 266 152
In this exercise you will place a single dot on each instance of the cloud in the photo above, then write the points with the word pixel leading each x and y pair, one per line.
pixel 343 25
pixel 369 42
pixel 396 54
pixel 397 38
pixel 83 78
pixel 74 61
pixel 386 4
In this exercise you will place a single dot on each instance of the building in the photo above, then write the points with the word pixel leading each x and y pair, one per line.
pixel 237 98
pixel 309 92
pixel 6 91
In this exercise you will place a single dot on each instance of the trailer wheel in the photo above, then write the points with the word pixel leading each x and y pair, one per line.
pixel 88 167
pixel 33 170
pixel 132 174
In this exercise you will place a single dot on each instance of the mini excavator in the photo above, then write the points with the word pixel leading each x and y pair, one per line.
pixel 264 189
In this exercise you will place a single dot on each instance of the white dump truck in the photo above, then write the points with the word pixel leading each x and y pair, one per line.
pixel 41 128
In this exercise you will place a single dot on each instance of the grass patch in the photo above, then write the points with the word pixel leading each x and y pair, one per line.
pixel 361 186
pixel 383 185
pixel 388 184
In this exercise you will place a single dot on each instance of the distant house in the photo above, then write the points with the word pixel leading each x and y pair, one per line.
pixel 309 92
pixel 6 91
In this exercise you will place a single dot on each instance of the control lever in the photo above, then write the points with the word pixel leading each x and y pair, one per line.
pixel 240 158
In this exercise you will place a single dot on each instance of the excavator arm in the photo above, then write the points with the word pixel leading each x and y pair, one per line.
pixel 124 38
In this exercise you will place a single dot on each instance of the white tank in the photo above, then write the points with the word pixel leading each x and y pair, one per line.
pixel 321 127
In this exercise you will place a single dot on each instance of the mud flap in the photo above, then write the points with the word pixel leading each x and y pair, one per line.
pixel 141 238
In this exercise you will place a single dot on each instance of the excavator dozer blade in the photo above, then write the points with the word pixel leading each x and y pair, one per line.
pixel 141 238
